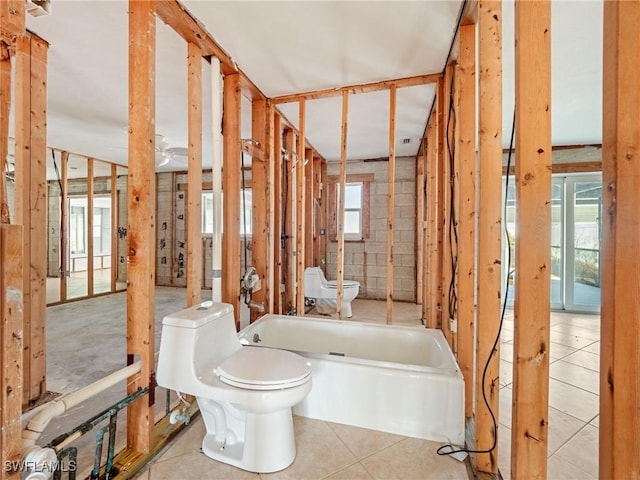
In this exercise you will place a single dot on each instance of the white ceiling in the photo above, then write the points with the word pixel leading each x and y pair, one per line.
pixel 291 47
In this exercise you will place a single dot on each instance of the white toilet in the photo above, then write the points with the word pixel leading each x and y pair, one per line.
pixel 245 394
pixel 326 292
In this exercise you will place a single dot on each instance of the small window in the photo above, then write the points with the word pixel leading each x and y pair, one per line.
pixel 356 207
pixel 245 216
pixel 352 210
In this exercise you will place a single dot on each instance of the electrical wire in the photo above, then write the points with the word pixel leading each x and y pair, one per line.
pixel 452 449
pixel 453 224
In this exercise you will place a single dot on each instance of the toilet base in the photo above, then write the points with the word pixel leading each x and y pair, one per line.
pixel 268 446
pixel 326 306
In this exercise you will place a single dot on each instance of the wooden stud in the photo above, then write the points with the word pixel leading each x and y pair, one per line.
pixel 620 333
pixel 232 164
pixel 273 234
pixel 317 207
pixel 340 209
pixel 300 208
pixel 362 88
pixel 533 243
pixel 433 225
pixel 11 335
pixel 30 203
pixel 114 227
pixel 563 168
pixel 310 193
pixel 12 20
pixel 141 219
pixel 289 218
pixel 390 200
pixel 420 165
pixel 90 269
pixel 277 213
pixel 489 255
pixel 64 225
pixel 5 110
pixel 194 177
pixel 322 215
pixel 467 209
pixel 260 186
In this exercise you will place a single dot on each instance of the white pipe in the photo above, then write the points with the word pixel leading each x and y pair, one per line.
pixel 216 113
pixel 39 422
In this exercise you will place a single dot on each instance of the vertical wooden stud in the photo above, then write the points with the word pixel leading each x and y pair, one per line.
pixel 466 211
pixel 620 332
pixel 301 222
pixel 390 200
pixel 420 165
pixel 114 227
pixel 194 176
pixel 448 131
pixel 343 179
pixel 277 213
pixel 11 334
pixel 433 226
pixel 64 225
pixel 232 165
pixel 533 242
pixel 5 108
pixel 289 219
pixel 322 216
pixel 310 193
pixel 30 203
pixel 90 249
pixel 141 219
pixel 489 228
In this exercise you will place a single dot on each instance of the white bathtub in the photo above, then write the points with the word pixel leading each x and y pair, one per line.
pixel 396 379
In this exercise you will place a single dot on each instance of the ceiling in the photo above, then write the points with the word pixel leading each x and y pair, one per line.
pixel 292 47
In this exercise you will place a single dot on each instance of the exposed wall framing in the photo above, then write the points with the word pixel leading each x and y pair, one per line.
pixel 340 212
pixel 277 213
pixel 390 200
pixel 300 200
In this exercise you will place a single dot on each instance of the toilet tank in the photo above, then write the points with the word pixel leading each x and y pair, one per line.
pixel 195 340
pixel 312 282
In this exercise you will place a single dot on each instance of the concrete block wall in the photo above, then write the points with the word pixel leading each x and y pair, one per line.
pixel 366 260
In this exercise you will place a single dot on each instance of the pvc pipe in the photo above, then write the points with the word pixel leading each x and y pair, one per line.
pixel 39 422
pixel 216 112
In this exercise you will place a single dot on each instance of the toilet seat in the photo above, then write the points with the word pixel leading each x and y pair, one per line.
pixel 345 284
pixel 262 368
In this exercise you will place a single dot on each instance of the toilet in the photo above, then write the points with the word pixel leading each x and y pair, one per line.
pixel 326 292
pixel 245 393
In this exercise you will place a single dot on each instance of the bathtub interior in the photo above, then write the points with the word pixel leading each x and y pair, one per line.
pixel 407 345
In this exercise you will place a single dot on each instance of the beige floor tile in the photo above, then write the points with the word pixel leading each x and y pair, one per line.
pixel 504 451
pixel 197 466
pixel 575 375
pixel 143 475
pixel 354 472
pixel 590 333
pixel 562 427
pixel 584 359
pixel 363 442
pixel 593 348
pixel 582 450
pixel 595 422
pixel 320 452
pixel 504 406
pixel 570 340
pixel 506 351
pixel 413 459
pixel 506 373
pixel 188 441
pixel 573 401
pixel 559 469
pixel 592 322
pixel 558 351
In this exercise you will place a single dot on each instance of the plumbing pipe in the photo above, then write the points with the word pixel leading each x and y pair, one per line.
pixel 56 407
pixel 216 112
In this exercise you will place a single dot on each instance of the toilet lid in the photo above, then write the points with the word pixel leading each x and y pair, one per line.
pixel 262 368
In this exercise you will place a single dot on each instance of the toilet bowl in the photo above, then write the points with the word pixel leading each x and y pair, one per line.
pixel 326 292
pixel 245 394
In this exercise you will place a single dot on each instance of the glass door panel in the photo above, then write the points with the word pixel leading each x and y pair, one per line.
pixel 557 243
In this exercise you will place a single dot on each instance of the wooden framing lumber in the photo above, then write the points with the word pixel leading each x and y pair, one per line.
pixel 620 338
pixel 11 335
pixel 431 302
pixel 390 199
pixel 340 210
pixel 533 243
pixel 90 249
pixel 309 211
pixel 466 150
pixel 114 228
pixel 361 88
pixel 301 222
pixel 174 14
pixel 277 211
pixel 64 225
pixel 573 167
pixel 322 214
pixel 420 168
pixel 231 169
pixel 141 219
pixel 12 20
pixel 5 109
pixel 489 255
pixel 30 203
pixel 194 177
pixel 261 186
pixel 440 202
pixel 289 219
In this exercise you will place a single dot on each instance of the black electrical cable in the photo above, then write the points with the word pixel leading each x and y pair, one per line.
pixel 55 166
pixel 451 448
pixel 453 224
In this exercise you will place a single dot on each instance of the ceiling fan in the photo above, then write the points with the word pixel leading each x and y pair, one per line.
pixel 166 154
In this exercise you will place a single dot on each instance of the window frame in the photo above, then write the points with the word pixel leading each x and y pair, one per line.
pixel 365 180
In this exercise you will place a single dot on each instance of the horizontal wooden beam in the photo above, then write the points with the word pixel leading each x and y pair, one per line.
pixel 174 14
pixel 577 167
pixel 361 88
pixel 253 150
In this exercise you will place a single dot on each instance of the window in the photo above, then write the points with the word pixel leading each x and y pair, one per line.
pixel 356 206
pixel 245 217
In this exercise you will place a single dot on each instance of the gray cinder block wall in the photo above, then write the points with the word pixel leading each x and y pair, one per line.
pixel 366 261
